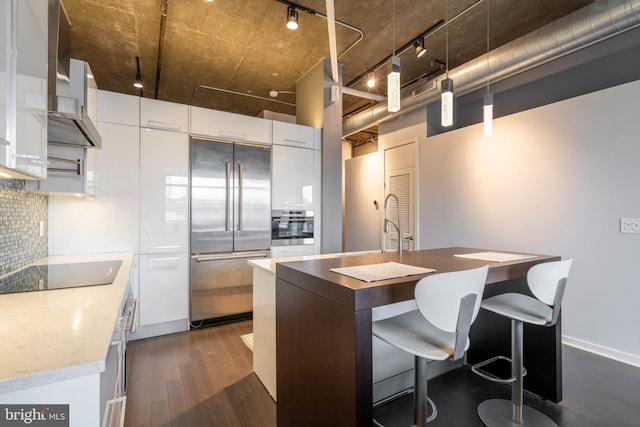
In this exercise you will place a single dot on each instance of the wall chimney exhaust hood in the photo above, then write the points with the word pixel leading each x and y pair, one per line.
pixel 71 87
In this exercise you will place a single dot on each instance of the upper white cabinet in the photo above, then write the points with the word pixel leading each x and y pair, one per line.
pixel 23 88
pixel 118 108
pixel 223 125
pixel 294 135
pixel 292 178
pixel 164 191
pixel 164 115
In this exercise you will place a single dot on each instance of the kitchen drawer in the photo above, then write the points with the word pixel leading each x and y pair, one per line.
pixel 164 115
pixel 230 126
pixel 293 250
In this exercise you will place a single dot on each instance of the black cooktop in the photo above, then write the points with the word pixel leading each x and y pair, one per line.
pixel 60 276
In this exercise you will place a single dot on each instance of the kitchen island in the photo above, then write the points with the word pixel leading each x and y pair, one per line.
pixel 324 340
pixel 59 345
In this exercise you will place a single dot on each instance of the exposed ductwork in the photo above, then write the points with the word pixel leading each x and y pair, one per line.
pixel 589 25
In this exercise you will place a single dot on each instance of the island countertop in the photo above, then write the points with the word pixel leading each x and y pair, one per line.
pixel 54 335
pixel 316 276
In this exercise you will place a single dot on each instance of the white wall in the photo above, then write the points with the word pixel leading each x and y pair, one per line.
pixel 552 180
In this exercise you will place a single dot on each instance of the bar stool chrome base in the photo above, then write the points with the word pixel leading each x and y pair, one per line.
pixel 499 413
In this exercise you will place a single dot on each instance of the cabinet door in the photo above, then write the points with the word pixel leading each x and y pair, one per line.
pixel 294 135
pixel 292 178
pixel 118 108
pixel 164 115
pixel 164 191
pixel 236 127
pixel 23 71
pixel 164 288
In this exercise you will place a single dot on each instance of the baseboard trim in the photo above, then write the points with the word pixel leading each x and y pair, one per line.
pixel 150 331
pixel 629 359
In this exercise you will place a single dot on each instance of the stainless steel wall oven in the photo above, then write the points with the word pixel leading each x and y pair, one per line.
pixel 291 227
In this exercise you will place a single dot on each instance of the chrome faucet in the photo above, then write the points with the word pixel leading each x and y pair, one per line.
pixel 388 221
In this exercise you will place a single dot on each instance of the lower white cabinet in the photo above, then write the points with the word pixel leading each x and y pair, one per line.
pixel 292 250
pixel 164 288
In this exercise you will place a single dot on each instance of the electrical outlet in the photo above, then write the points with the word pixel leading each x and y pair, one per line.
pixel 630 225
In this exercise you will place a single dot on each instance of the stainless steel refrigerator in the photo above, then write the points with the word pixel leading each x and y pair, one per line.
pixel 230 224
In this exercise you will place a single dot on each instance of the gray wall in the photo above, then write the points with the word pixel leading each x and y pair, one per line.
pixel 553 180
pixel 20 216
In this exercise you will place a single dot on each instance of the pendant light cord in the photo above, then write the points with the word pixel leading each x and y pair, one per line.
pixel 446 38
pixel 488 2
pixel 393 27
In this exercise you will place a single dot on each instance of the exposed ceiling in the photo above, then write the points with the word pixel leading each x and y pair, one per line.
pixel 229 54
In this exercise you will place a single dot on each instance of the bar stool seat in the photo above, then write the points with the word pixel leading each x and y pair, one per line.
pixel 547 282
pixel 448 303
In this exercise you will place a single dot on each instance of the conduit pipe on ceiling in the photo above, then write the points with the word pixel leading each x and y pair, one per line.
pixel 582 28
pixel 333 50
pixel 362 94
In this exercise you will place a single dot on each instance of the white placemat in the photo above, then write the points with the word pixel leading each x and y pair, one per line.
pixel 383 271
pixel 495 256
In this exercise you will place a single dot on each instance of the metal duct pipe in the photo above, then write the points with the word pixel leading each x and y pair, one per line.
pixel 584 27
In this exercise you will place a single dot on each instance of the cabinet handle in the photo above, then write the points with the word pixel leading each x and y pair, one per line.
pixel 228 198
pixel 132 315
pixel 78 170
pixel 295 141
pixel 233 134
pixel 240 196
pixel 163 125
pixel 239 255
pixel 110 419
pixel 164 259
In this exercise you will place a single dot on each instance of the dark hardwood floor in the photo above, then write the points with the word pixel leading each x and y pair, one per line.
pixel 204 378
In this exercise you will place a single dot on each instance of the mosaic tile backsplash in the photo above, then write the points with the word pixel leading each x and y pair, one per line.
pixel 20 216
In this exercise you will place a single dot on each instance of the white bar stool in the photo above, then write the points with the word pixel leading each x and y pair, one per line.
pixel 547 282
pixel 448 303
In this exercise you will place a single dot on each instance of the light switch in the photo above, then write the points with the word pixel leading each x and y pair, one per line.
pixel 630 225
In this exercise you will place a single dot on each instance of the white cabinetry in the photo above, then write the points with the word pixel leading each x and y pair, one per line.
pixel 236 127
pixel 108 223
pixel 292 178
pixel 294 135
pixel 293 250
pixel 164 115
pixel 23 88
pixel 118 108
pixel 164 227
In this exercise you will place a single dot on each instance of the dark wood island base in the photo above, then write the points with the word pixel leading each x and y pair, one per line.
pixel 323 333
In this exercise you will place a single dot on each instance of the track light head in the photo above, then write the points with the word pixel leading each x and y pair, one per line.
pixel 292 18
pixel 371 80
pixel 419 46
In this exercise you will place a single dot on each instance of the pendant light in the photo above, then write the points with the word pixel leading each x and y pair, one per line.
pixel 446 86
pixel 393 78
pixel 487 108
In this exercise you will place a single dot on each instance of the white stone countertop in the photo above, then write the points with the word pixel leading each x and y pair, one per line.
pixel 55 335
pixel 269 264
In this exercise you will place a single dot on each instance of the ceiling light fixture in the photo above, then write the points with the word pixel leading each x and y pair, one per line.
pixel 371 80
pixel 419 45
pixel 393 78
pixel 446 88
pixel 292 18
pixel 487 108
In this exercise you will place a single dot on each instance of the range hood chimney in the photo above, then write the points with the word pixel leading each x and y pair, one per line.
pixel 70 86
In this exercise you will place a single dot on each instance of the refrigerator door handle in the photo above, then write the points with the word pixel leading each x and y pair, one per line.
pixel 240 198
pixel 228 198
pixel 237 255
